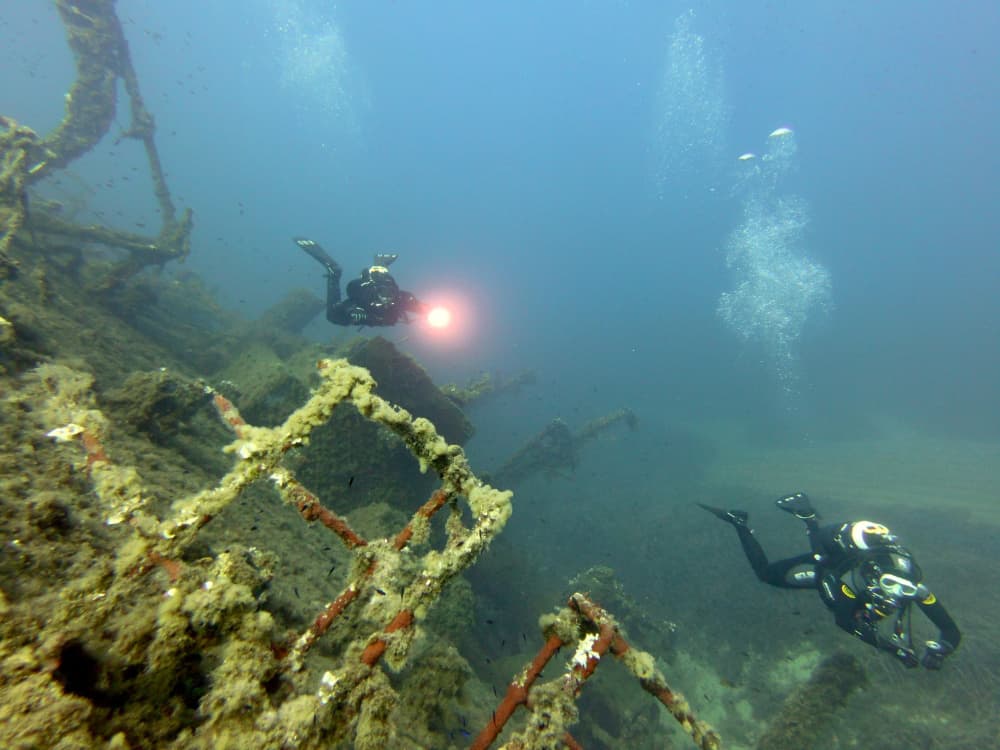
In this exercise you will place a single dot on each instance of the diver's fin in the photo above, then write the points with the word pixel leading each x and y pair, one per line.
pixel 318 253
pixel 735 517
pixel 385 259
pixel 798 505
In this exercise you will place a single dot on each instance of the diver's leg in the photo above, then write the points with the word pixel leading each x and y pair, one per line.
pixel 800 506
pixel 815 538
pixel 783 574
pixel 333 271
pixel 332 289
pixel 754 552
pixel 774 574
pixel 738 519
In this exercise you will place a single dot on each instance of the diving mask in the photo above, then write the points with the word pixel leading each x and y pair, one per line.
pixel 897 588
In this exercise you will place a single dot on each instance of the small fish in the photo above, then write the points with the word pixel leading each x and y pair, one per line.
pixel 489 622
pixel 350 481
pixel 296 590
pixel 332 568
pixel 380 591
pixel 747 156
pixel 779 132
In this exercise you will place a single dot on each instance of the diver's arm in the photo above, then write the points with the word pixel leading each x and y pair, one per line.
pixel 850 615
pixel 857 620
pixel 937 614
pixel 409 303
pixel 949 635
pixel 346 313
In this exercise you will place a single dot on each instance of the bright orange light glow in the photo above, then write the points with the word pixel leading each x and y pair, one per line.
pixel 439 317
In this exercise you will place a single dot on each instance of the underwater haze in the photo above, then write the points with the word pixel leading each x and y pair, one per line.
pixel 768 228
pixel 569 171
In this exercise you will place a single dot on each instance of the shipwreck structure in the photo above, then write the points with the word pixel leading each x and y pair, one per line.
pixel 144 602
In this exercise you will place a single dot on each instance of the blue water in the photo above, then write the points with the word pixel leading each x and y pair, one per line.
pixel 566 176
pixel 510 154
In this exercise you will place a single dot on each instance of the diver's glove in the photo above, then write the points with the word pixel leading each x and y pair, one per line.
pixel 935 653
pixel 907 657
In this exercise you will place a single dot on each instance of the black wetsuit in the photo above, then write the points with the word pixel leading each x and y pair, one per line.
pixel 374 299
pixel 831 569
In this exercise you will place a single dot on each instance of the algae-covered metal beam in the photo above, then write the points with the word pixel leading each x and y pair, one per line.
pixel 95 37
pixel 393 581
pixel 594 633
pixel 21 154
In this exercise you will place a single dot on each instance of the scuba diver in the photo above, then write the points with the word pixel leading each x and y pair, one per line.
pixel 374 299
pixel 863 574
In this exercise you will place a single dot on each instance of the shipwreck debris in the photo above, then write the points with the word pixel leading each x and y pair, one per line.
pixel 102 56
pixel 556 450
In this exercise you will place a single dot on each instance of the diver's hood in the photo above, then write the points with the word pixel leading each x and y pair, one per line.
pixel 869 535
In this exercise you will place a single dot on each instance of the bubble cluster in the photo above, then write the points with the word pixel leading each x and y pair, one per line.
pixel 692 114
pixel 315 65
pixel 778 288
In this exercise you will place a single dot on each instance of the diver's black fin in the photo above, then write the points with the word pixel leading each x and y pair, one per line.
pixel 318 253
pixel 798 505
pixel 735 517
